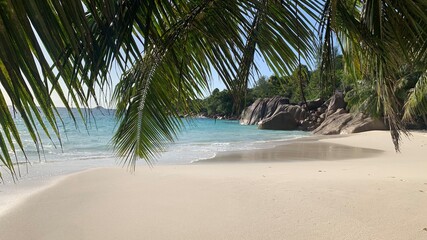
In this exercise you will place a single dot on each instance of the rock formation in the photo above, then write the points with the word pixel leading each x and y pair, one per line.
pixel 267 113
pixel 341 122
pixel 262 108
pixel 280 121
pixel 336 102
pixel 321 117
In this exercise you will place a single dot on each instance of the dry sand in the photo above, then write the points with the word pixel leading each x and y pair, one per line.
pixel 347 193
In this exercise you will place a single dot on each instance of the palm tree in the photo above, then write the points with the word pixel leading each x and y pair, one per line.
pixel 168 49
pixel 378 40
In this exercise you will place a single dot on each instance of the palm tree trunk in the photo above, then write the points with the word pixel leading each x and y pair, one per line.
pixel 301 87
pixel 246 62
pixel 299 64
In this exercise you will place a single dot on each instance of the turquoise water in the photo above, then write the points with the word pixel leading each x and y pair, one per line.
pixel 203 138
pixel 89 146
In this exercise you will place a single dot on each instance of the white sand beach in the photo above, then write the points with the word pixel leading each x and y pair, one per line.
pixel 304 190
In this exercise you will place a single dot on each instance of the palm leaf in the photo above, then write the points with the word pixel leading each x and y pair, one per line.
pixel 416 103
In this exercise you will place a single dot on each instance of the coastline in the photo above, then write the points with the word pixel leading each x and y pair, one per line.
pixel 295 150
pixel 379 195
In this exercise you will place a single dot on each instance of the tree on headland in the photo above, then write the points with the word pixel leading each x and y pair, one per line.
pixel 166 52
pixel 219 103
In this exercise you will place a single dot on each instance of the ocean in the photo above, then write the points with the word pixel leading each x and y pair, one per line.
pixel 85 147
pixel 88 146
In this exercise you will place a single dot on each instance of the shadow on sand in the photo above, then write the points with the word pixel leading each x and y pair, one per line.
pixel 309 149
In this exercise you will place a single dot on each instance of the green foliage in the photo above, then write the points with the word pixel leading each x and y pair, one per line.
pixel 267 87
pixel 363 98
pixel 416 101
pixel 288 86
pixel 219 103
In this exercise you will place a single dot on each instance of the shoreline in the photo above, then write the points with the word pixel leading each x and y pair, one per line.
pixel 31 183
pixel 293 150
pixel 381 195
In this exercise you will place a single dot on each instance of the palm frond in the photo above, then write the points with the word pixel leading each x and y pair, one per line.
pixel 416 103
pixel 145 126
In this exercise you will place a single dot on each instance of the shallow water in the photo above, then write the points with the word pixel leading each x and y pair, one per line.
pixel 89 146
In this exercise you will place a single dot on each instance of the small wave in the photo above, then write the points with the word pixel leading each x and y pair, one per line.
pixel 203 158
pixel 221 144
pixel 82 158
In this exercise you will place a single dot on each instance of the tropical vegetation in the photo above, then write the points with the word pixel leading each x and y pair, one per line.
pixel 220 103
pixel 167 50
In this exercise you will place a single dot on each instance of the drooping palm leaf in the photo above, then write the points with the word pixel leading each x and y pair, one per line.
pixel 416 104
pixel 146 96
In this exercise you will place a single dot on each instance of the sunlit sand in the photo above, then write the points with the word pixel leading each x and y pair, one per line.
pixel 353 187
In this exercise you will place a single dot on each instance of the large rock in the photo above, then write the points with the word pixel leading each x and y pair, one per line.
pixel 336 102
pixel 334 123
pixel 296 111
pixel 362 123
pixel 262 108
pixel 341 122
pixel 268 107
pixel 280 121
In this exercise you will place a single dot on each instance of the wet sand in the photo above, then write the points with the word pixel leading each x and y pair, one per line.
pixel 296 151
